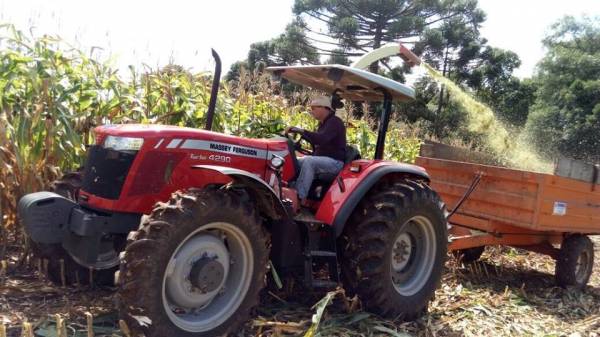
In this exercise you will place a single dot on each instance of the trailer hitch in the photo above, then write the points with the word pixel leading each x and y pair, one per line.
pixel 470 190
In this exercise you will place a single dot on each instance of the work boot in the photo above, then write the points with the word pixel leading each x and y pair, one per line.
pixel 305 215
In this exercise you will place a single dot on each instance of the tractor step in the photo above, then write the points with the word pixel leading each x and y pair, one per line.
pixel 321 258
pixel 320 254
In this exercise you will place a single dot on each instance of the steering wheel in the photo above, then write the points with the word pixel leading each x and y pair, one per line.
pixel 301 144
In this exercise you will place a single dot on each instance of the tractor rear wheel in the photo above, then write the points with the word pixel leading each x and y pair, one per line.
pixel 395 246
pixel 68 186
pixel 575 261
pixel 195 267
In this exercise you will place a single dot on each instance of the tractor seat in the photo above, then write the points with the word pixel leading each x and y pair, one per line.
pixel 351 155
pixel 322 181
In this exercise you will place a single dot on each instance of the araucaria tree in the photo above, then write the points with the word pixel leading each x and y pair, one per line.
pixel 339 29
pixel 353 27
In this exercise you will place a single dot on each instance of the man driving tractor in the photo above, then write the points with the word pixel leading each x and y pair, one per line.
pixel 329 143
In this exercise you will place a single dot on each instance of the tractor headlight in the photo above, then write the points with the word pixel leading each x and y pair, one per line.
pixel 277 162
pixel 123 143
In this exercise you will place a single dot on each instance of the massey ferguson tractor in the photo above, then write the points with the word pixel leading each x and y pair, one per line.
pixel 192 221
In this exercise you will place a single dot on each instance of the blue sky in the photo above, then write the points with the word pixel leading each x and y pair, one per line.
pixel 153 32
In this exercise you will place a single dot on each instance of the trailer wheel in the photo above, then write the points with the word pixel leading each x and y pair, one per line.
pixel 394 247
pixel 195 267
pixel 575 261
pixel 68 186
pixel 468 255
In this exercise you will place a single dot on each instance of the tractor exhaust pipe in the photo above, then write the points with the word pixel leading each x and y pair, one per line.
pixel 210 113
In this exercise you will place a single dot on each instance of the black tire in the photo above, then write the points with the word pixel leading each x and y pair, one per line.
pixel 68 186
pixel 468 255
pixel 575 262
pixel 167 231
pixel 389 213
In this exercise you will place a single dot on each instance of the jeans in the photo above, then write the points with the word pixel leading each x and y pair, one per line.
pixel 309 166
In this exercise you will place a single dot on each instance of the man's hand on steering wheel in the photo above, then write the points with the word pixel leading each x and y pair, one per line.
pixel 290 132
pixel 293 129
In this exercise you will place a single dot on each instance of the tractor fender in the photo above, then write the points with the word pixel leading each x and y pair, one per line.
pixel 342 206
pixel 265 196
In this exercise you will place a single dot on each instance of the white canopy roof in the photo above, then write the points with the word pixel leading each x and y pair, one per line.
pixel 352 83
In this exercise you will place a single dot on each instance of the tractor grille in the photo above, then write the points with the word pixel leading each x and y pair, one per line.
pixel 106 171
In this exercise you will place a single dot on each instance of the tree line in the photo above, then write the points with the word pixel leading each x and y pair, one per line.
pixel 557 109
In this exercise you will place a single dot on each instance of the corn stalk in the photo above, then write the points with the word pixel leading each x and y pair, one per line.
pixel 53 95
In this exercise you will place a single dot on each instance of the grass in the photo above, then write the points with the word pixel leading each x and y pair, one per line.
pixel 509 292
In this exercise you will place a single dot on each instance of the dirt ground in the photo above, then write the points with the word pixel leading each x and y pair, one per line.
pixel 508 293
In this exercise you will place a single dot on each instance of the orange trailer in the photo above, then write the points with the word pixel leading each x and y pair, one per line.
pixel 491 205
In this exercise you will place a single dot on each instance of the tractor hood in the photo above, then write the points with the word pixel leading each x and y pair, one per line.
pixel 144 130
pixel 350 83
pixel 171 135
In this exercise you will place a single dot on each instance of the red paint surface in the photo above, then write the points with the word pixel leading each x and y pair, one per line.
pixel 183 176
pixel 335 198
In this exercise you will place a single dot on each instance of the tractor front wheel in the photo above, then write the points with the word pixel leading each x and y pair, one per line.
pixel 395 248
pixel 195 267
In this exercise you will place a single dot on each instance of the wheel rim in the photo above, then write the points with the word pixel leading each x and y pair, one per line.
pixel 223 253
pixel 581 267
pixel 413 255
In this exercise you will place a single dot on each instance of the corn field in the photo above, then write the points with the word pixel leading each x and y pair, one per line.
pixel 53 95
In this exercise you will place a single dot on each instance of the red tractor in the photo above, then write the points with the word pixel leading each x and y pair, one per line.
pixel 194 219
